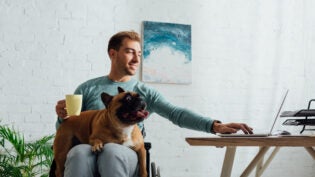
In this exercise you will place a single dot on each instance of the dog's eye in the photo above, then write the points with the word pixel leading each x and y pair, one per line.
pixel 128 98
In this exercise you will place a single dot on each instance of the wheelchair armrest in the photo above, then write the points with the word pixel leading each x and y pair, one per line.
pixel 147 145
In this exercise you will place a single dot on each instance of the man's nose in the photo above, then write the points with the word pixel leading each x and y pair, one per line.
pixel 137 58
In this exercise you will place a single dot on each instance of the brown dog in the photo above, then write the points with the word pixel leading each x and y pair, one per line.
pixel 115 124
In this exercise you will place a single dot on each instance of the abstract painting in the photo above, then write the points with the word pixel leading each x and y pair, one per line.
pixel 166 53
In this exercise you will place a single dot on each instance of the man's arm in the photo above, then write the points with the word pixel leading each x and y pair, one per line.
pixel 186 118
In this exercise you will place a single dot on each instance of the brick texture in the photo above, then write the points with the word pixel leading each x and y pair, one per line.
pixel 245 54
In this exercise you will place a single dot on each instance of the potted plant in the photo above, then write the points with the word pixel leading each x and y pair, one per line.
pixel 19 158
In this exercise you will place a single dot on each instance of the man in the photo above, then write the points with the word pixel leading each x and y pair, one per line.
pixel 124 51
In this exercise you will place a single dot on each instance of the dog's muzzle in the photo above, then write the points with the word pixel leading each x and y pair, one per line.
pixel 133 110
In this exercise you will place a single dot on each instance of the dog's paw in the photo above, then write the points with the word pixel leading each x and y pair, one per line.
pixel 97 147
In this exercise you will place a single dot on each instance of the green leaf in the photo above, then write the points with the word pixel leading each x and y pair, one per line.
pixel 24 159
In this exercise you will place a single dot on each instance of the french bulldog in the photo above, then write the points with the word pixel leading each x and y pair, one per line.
pixel 117 123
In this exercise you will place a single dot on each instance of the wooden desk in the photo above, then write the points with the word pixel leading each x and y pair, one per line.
pixel 263 142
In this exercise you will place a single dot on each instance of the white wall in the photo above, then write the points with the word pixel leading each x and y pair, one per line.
pixel 245 54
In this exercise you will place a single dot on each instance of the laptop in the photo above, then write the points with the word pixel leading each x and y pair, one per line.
pixel 260 134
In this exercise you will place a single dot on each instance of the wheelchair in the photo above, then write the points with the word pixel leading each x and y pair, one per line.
pixel 155 170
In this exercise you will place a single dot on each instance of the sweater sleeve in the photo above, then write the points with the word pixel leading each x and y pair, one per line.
pixel 178 115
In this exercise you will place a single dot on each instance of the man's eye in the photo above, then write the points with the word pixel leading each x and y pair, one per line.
pixel 129 51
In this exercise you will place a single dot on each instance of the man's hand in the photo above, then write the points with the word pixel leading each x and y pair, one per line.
pixel 60 109
pixel 231 128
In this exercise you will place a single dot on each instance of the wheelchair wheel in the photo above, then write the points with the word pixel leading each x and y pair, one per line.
pixel 155 171
pixel 158 172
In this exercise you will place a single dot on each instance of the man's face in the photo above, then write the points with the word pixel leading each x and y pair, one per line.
pixel 127 59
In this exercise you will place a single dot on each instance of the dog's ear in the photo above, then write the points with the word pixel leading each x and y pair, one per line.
pixel 120 90
pixel 106 98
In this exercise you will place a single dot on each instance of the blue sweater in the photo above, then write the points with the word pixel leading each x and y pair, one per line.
pixel 156 103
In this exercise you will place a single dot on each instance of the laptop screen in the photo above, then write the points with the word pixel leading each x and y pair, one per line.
pixel 277 115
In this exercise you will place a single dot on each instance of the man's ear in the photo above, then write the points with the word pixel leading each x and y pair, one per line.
pixel 106 98
pixel 112 53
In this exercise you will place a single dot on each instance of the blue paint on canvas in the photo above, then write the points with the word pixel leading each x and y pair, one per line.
pixel 175 36
pixel 166 53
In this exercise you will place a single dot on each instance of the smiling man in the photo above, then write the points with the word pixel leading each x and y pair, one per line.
pixel 124 51
pixel 125 58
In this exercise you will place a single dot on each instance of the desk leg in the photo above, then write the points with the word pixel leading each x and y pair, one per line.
pixel 265 165
pixel 259 165
pixel 254 162
pixel 311 151
pixel 228 161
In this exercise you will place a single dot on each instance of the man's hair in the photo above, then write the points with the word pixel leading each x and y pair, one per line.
pixel 116 41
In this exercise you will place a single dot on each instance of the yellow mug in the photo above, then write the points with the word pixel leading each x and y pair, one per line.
pixel 73 104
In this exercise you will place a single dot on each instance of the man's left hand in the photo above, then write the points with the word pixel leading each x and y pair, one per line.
pixel 231 128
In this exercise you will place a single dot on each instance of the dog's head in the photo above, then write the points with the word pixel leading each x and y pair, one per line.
pixel 128 107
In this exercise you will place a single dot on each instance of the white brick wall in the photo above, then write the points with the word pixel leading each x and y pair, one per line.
pixel 245 53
